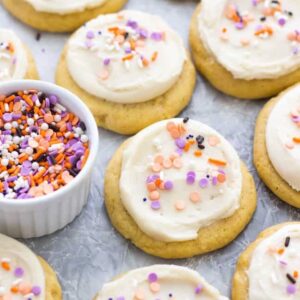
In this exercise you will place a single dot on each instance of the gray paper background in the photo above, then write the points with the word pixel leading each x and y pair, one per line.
pixel 89 252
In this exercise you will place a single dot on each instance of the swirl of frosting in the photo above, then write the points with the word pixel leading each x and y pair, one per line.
pixel 178 176
pixel 13 58
pixel 21 274
pixel 252 39
pixel 128 57
pixel 64 7
pixel 160 282
pixel 283 137
pixel 275 266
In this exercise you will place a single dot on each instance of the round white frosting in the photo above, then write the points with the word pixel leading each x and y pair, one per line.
pixel 128 57
pixel 19 268
pixel 13 58
pixel 65 6
pixel 282 134
pixel 160 282
pixel 260 40
pixel 194 201
pixel 271 264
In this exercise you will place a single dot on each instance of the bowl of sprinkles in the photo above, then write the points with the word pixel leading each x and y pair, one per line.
pixel 48 146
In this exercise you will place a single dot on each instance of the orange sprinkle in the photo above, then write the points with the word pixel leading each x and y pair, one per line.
pixel 217 162
pixel 280 251
pixel 198 153
pixel 5 265
pixel 296 140
pixel 127 57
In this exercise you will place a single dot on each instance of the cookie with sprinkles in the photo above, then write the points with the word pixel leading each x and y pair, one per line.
pixel 269 268
pixel 160 282
pixel 277 145
pixel 16 61
pixel 178 189
pixel 130 68
pixel 253 45
pixel 23 275
pixel 60 16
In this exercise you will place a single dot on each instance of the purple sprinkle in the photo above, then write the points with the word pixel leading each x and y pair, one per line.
pixel 157 36
pixel 127 50
pixel 203 183
pixel 16 116
pixel 106 61
pixel 199 289
pixel 215 181
pixel 19 272
pixel 53 99
pixel 179 151
pixel 12 178
pixel 191 173
pixel 281 21
pixel 239 25
pixel 152 277
pixel 254 2
pixel 132 24
pixel 180 143
pixel 168 185
pixel 190 179
pixel 90 34
pixel 121 298
pixel 295 51
pixel 143 33
pixel 155 205
pixel 36 290
pixel 7 117
pixel 291 289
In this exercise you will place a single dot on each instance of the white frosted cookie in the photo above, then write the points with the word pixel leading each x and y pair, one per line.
pixel 15 61
pixel 277 145
pixel 255 42
pixel 125 62
pixel 269 268
pixel 60 16
pixel 160 282
pixel 23 276
pixel 176 178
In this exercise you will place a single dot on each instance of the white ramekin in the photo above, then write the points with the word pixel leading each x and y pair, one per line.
pixel 44 215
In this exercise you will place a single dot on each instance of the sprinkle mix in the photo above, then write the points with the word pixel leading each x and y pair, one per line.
pixel 282 254
pixel 184 143
pixel 126 43
pixel 270 11
pixel 19 286
pixel 43 146
pixel 7 53
pixel 154 287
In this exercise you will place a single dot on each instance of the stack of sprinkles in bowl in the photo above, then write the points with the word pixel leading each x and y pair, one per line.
pixel 43 146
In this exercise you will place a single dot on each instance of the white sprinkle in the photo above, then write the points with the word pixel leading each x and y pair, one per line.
pixel 44 126
pixel 84 138
pixel 4 162
pixel 30 121
pixel 7 126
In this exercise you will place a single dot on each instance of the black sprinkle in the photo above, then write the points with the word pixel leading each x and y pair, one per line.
pixel 38 36
pixel 185 120
pixel 200 139
pixel 53 127
pixel 263 19
pixel 82 126
pixel 201 147
pixel 145 199
pixel 73 172
pixel 126 35
pixel 287 241
pixel 291 278
pixel 41 158
pixel 19 131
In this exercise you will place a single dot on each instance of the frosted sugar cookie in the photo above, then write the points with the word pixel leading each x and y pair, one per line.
pixel 247 49
pixel 277 145
pixel 130 68
pixel 16 61
pixel 23 275
pixel 160 282
pixel 269 267
pixel 60 16
pixel 178 189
